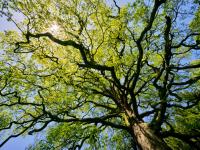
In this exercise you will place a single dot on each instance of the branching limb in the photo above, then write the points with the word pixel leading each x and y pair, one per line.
pixel 186 67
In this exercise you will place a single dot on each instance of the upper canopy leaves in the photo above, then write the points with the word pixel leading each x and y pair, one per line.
pixel 104 65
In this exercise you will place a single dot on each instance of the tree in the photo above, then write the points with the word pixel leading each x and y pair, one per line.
pixel 102 75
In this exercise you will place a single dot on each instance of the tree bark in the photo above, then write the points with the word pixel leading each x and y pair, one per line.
pixel 146 139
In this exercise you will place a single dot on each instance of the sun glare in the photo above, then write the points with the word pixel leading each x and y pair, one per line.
pixel 54 28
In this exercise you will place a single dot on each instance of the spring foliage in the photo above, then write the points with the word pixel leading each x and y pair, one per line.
pixel 85 71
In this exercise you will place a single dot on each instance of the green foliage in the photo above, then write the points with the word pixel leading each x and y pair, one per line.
pixel 41 145
pixel 72 136
pixel 89 70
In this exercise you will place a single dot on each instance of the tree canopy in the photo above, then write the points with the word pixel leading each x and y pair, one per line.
pixel 96 74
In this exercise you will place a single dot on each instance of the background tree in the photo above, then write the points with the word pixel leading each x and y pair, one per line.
pixel 101 75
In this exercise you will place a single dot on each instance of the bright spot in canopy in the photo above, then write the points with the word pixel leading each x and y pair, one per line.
pixel 54 28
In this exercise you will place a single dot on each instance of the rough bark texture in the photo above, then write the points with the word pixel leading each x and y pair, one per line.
pixel 146 139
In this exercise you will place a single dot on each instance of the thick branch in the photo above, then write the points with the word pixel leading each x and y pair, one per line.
pixel 190 81
pixel 184 137
pixel 185 67
pixel 157 4
pixel 185 39
pixel 163 90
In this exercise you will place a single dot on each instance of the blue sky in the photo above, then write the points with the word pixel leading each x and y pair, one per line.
pixel 18 143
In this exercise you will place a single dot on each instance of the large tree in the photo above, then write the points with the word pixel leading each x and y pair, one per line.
pixel 101 75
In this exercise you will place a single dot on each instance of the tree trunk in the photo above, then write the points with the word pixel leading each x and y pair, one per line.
pixel 146 139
